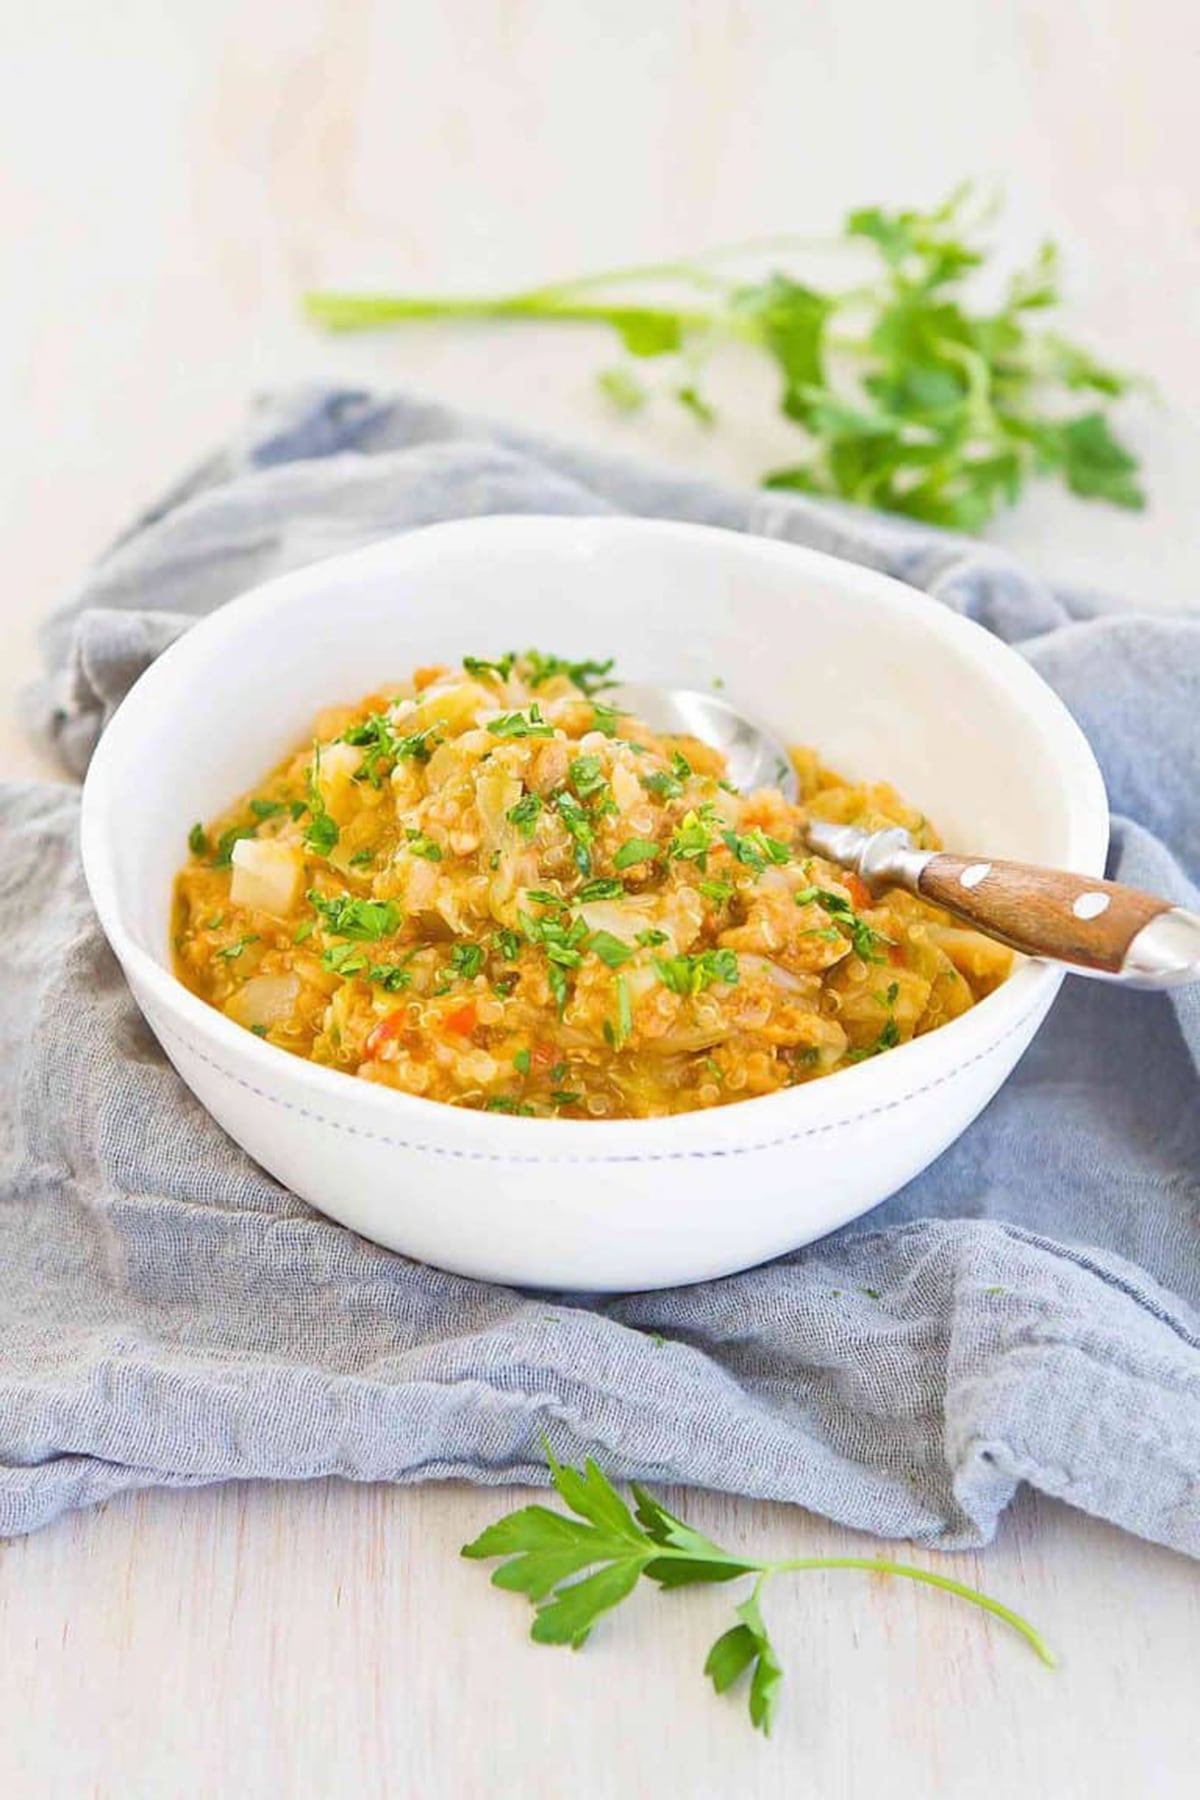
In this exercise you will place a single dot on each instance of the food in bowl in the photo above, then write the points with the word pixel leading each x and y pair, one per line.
pixel 490 887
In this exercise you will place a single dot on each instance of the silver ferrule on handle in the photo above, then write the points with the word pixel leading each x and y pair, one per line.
pixel 1165 953
pixel 882 858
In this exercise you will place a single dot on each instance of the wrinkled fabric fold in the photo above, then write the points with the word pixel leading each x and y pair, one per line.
pixel 1024 1312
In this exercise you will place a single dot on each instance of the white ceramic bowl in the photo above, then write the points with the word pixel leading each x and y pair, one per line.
pixel 884 681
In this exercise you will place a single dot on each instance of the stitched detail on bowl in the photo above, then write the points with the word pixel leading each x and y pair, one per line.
pixel 488 1156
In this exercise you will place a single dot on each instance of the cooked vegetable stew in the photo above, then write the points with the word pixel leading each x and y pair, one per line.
pixel 491 888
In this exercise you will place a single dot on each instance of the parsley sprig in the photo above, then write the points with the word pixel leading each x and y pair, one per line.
pixel 576 1569
pixel 909 390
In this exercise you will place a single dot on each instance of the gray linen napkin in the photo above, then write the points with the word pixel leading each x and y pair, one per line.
pixel 1025 1311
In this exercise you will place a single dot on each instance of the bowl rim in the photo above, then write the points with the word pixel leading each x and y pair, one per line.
pixel 880 1083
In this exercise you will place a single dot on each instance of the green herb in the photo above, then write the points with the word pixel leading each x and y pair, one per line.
pixel 507 943
pixel 198 840
pixel 624 1026
pixel 865 939
pixel 589 677
pixel 893 992
pixel 909 393
pixel 322 833
pixel 362 858
pixel 605 719
pixel 504 1104
pixel 634 851
pixel 479 666
pixel 580 828
pixel 651 938
pixel 604 889
pixel 383 748
pixel 888 1038
pixel 681 768
pixel 259 1030
pixel 562 1097
pixel 466 960
pixel 267 809
pixel 366 921
pixel 223 856
pixel 545 898
pixel 587 776
pixel 524 815
pixel 717 891
pixel 609 949
pixel 231 952
pixel 694 837
pixel 306 930
pixel 420 845
pixel 558 1072
pixel 344 959
pixel 686 975
pixel 521 1062
pixel 215 923
pixel 521 725
pixel 755 849
pixel 662 785
pixel 392 976
pixel 574 1567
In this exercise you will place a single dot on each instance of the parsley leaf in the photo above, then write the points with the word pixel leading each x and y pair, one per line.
pixel 687 975
pixel 524 815
pixel 521 725
pixel 634 851
pixel 589 677
pixel 908 390
pixel 365 921
pixel 609 949
pixel 576 1566
pixel 198 840
pixel 479 666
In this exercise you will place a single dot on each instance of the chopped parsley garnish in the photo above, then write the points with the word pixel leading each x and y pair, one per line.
pixel 391 977
pixel 524 815
pixel 587 776
pixel 686 975
pixel 383 748
pixel 298 808
pixel 501 668
pixel 322 833
pixel 198 840
pixel 717 891
pixel 259 1030
pixel 267 809
pixel 306 930
pixel 680 766
pixel 507 943
pixel 231 952
pixel 662 785
pixel 564 1097
pixel 344 959
pixel 224 851
pixel 694 837
pixel 503 1103
pixel 580 828
pixel 521 1062
pixel 864 938
pixel 521 725
pixel 589 677
pixel 420 845
pixel 605 719
pixel 466 960
pixel 651 938
pixel 606 888
pixel 634 851
pixel 624 1025
pixel 755 849
pixel 609 949
pixel 893 992
pixel 366 921
pixel 888 1038
pixel 361 858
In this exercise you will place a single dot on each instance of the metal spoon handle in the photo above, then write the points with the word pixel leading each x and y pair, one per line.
pixel 1097 928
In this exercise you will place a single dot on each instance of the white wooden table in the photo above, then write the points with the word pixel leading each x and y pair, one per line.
pixel 169 178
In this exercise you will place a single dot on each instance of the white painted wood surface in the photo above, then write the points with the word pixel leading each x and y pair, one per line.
pixel 170 177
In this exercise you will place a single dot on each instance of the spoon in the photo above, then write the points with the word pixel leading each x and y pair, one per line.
pixel 1097 928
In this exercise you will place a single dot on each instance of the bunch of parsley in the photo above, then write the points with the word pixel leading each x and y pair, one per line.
pixel 576 1569
pixel 908 391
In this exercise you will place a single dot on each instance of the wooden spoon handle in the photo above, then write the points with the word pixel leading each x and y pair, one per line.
pixel 1043 912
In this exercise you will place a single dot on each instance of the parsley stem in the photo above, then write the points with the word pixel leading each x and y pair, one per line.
pixel 876 1565
pixel 362 312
